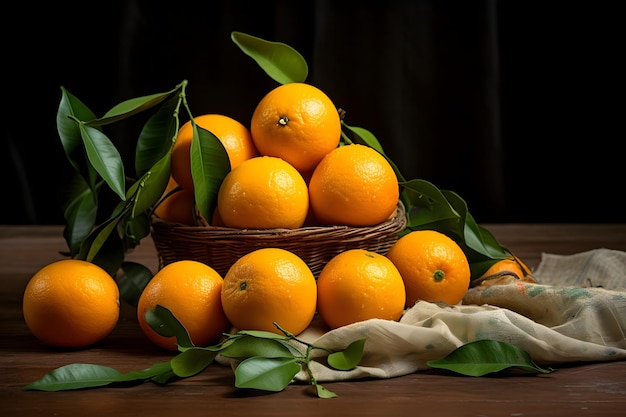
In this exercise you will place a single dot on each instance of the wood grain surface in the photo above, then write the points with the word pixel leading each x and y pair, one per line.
pixel 588 389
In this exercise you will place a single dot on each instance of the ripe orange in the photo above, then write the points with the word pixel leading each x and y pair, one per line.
pixel 270 285
pixel 432 265
pixel 191 291
pixel 178 207
pixel 358 285
pixel 234 136
pixel 353 185
pixel 296 122
pixel 71 304
pixel 262 193
pixel 509 266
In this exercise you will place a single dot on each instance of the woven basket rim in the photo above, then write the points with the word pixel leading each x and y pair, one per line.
pixel 397 224
pixel 220 247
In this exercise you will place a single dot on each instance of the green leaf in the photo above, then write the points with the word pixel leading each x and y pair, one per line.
pixel 427 194
pixel 164 377
pixel 79 376
pixel 155 371
pixel 75 376
pixel 425 204
pixel 147 191
pixel 103 236
pixel 162 321
pixel 103 247
pixel 80 213
pixel 349 358
pixel 483 357
pixel 280 61
pixel 248 346
pixel 134 229
pixel 323 392
pixel 70 110
pixel 105 158
pixel 192 361
pixel 133 280
pixel 209 166
pixel 363 137
pixel 131 107
pixel 482 241
pixel 267 374
pixel 157 136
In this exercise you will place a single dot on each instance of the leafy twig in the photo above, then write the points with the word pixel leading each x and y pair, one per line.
pixel 267 361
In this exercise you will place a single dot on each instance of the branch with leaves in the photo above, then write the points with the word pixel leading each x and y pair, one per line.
pixel 268 361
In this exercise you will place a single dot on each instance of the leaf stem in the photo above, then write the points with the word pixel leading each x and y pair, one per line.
pixel 308 345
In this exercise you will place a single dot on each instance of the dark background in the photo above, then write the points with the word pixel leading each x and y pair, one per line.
pixel 513 105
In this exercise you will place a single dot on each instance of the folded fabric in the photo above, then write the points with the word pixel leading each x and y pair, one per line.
pixel 554 324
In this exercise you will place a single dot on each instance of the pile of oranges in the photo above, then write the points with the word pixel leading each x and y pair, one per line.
pixel 287 171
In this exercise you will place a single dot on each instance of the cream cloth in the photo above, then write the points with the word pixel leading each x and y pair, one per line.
pixel 596 268
pixel 555 324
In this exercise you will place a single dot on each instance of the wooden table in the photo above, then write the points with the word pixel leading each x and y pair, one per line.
pixel 578 390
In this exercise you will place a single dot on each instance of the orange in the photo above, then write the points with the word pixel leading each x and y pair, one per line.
pixel 177 207
pixel 191 291
pixel 296 122
pixel 353 185
pixel 433 267
pixel 71 304
pixel 270 285
pixel 262 193
pixel 358 285
pixel 511 266
pixel 234 136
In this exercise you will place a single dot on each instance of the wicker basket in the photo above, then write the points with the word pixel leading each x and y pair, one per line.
pixel 220 247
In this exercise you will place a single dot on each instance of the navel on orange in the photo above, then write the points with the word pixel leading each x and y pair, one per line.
pixel 353 185
pixel 71 304
pixel 191 291
pixel 270 285
pixel 296 122
pixel 264 192
pixel 432 265
pixel 358 285
pixel 235 137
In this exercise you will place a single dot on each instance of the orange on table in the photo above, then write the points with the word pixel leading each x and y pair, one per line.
pixel 264 192
pixel 297 122
pixel 191 291
pixel 234 136
pixel 270 285
pixel 353 185
pixel 358 285
pixel 71 304
pixel 433 267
